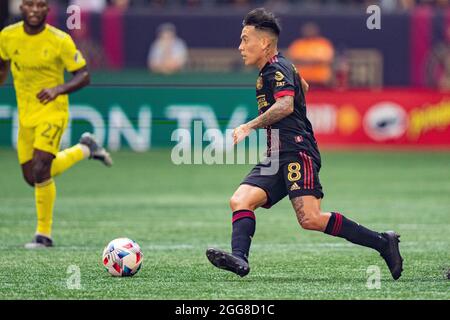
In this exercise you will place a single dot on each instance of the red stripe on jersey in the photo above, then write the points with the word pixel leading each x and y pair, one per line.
pixel 312 172
pixel 310 176
pixel 284 93
pixel 306 170
pixel 309 171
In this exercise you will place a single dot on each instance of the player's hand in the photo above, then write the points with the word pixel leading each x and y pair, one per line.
pixel 47 95
pixel 241 132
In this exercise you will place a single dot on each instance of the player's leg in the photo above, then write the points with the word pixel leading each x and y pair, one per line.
pixel 46 138
pixel 36 172
pixel 66 158
pixel 25 151
pixel 45 195
pixel 86 148
pixel 257 190
pixel 243 203
pixel 311 217
pixel 305 191
pixel 27 173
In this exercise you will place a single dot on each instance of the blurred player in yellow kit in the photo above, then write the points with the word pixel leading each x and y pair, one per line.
pixel 37 55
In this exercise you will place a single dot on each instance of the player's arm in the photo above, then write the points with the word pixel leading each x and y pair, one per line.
pixel 4 68
pixel 283 107
pixel 80 79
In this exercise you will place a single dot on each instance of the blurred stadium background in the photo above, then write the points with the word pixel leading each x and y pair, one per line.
pixel 401 72
pixel 373 93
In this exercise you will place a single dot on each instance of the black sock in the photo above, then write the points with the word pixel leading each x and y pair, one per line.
pixel 340 226
pixel 243 230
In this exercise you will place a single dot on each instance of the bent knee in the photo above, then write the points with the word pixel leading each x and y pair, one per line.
pixel 310 224
pixel 238 202
pixel 29 179
pixel 40 171
pixel 310 220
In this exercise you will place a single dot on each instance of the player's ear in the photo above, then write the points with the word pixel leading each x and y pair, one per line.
pixel 265 43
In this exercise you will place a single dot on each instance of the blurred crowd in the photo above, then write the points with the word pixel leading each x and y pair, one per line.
pixel 278 4
pixel 315 56
pixel 281 5
pixel 274 4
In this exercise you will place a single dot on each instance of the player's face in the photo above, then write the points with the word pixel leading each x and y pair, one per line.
pixel 251 47
pixel 34 12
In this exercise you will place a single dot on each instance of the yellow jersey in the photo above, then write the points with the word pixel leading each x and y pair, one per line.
pixel 38 62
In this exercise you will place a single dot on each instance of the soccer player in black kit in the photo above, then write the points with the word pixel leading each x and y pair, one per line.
pixel 280 93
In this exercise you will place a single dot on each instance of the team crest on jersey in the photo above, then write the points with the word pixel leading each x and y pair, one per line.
pixel 279 76
pixel 259 83
pixel 262 101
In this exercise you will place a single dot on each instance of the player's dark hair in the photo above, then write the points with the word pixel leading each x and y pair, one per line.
pixel 262 19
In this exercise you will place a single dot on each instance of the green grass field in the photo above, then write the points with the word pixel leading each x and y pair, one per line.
pixel 176 212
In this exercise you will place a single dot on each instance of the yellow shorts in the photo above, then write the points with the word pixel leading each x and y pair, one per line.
pixel 46 136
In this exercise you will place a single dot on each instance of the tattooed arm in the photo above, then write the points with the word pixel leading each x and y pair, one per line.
pixel 281 109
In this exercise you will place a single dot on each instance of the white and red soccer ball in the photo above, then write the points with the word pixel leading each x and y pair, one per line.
pixel 122 257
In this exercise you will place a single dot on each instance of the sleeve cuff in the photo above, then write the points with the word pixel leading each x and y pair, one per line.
pixel 284 93
pixel 76 68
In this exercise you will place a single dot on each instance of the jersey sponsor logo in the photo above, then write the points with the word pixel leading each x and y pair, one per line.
pixel 295 186
pixel 279 76
pixel 259 83
pixel 262 102
pixel 25 67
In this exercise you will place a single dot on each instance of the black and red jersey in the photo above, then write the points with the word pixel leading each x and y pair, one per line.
pixel 279 78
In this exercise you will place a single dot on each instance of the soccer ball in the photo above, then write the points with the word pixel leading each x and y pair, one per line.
pixel 122 257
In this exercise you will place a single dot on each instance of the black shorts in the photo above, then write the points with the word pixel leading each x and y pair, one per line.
pixel 297 175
